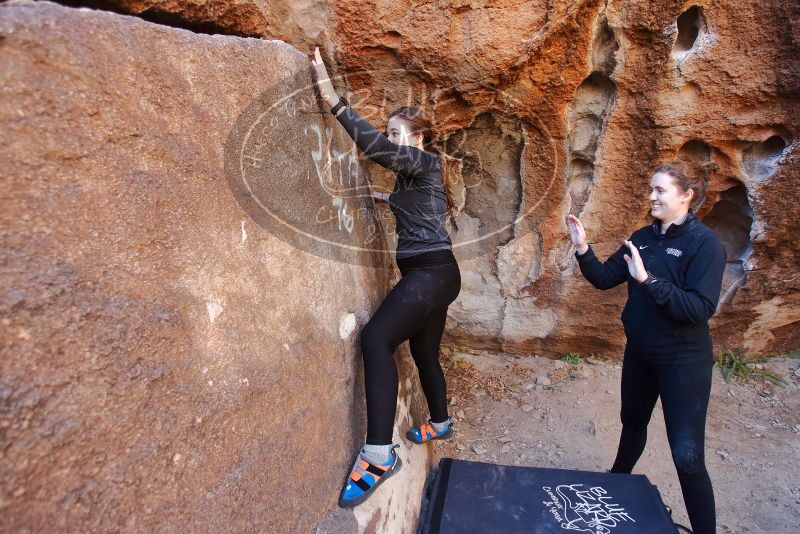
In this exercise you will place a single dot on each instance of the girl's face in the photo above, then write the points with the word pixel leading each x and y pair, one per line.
pixel 399 132
pixel 667 201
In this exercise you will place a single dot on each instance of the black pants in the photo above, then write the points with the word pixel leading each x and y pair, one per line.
pixel 685 388
pixel 415 309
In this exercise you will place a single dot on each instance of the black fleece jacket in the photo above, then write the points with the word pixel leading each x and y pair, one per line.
pixel 668 317
pixel 418 200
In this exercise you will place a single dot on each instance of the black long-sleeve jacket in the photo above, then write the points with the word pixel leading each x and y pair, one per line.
pixel 418 200
pixel 670 315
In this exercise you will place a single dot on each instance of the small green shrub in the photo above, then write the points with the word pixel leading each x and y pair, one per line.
pixel 736 364
pixel 572 357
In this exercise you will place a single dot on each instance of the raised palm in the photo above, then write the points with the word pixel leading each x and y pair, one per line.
pixel 635 264
pixel 324 84
pixel 577 233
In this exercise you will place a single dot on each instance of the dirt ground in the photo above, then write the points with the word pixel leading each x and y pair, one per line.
pixel 536 411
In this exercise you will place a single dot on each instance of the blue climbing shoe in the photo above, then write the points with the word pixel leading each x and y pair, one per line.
pixel 426 432
pixel 366 477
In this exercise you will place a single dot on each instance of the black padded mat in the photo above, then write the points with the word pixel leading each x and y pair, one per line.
pixel 475 497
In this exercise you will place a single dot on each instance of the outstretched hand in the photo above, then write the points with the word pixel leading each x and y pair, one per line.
pixel 635 264
pixel 577 234
pixel 324 84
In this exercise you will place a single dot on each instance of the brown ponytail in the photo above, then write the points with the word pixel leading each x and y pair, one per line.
pixel 448 164
pixel 689 175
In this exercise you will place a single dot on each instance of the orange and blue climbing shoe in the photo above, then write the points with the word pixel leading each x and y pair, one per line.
pixel 426 432
pixel 366 477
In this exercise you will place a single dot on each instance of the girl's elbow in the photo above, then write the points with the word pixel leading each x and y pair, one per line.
pixel 602 285
pixel 701 316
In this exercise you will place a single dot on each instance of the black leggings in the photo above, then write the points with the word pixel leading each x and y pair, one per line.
pixel 684 390
pixel 415 309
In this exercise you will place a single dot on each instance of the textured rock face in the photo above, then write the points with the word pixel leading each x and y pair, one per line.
pixel 168 364
pixel 565 107
pixel 559 108
pixel 158 344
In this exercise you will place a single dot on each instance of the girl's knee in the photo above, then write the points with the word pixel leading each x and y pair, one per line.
pixel 634 419
pixel 366 335
pixel 688 458
pixel 374 341
pixel 427 366
pixel 369 338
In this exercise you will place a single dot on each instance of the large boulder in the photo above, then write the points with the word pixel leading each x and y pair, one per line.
pixel 172 361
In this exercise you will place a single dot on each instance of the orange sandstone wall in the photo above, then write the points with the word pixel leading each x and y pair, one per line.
pixel 565 107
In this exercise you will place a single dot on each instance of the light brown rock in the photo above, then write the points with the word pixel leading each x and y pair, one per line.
pixel 168 364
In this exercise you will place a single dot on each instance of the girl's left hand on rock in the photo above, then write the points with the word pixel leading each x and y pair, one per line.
pixel 324 84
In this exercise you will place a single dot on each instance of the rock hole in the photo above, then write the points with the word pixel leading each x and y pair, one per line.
pixel 583 136
pixel 595 95
pixel 731 218
pixel 695 151
pixel 761 159
pixel 594 100
pixel 773 147
pixel 392 39
pixel 691 91
pixel 689 26
pixel 604 48
pixel 581 174
pixel 490 154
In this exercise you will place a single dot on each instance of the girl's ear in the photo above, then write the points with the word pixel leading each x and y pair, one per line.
pixel 688 195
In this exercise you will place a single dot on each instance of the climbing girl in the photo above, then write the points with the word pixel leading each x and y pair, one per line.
pixel 674 269
pixel 416 307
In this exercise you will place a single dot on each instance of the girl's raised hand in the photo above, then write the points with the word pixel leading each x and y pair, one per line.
pixel 577 234
pixel 635 264
pixel 324 84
